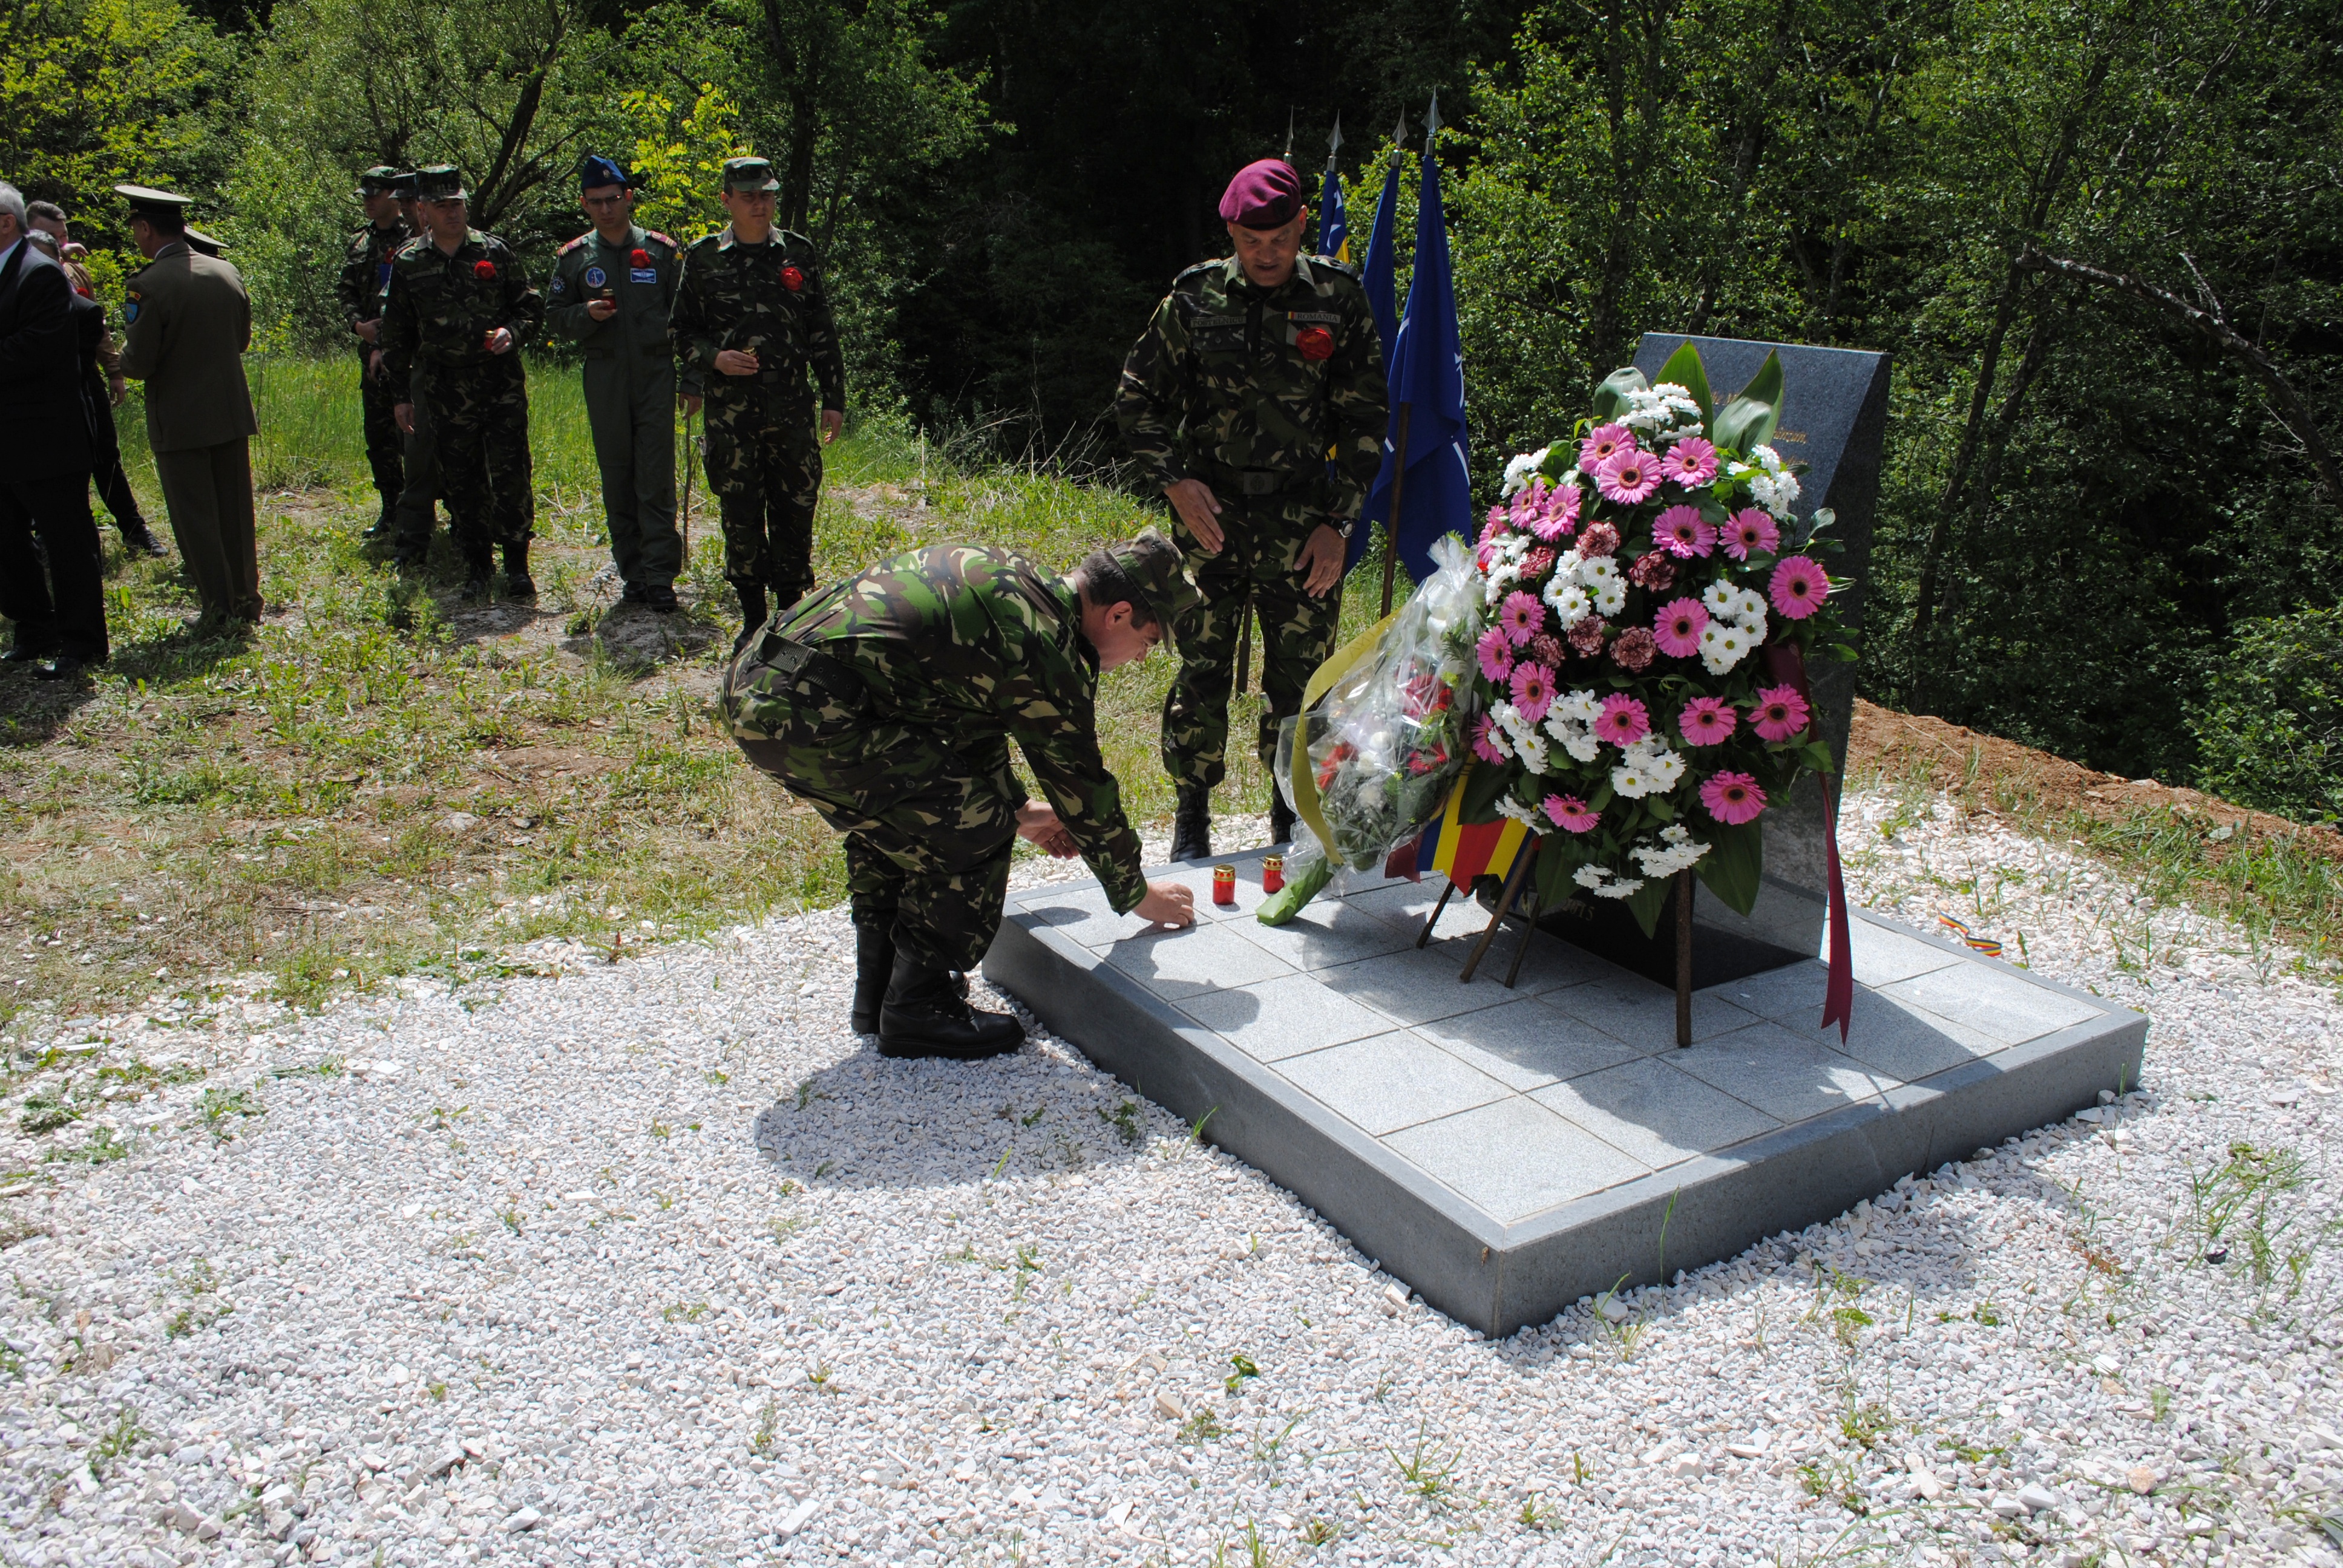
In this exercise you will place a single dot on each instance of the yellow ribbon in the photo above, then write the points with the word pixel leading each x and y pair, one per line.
pixel 1306 773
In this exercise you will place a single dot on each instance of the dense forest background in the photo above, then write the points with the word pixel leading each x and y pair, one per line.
pixel 2103 240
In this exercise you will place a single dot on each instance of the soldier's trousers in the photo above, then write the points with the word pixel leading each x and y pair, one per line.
pixel 631 408
pixel 411 524
pixel 929 817
pixel 383 444
pixel 479 413
pixel 764 463
pixel 105 459
pixel 1255 571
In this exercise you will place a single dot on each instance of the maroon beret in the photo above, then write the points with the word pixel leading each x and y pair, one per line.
pixel 1264 195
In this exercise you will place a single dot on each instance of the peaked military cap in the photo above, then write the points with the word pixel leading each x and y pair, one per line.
pixel 750 175
pixel 146 201
pixel 1158 572
pixel 198 240
pixel 379 180
pixel 439 182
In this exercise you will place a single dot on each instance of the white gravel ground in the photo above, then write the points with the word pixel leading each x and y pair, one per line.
pixel 653 1263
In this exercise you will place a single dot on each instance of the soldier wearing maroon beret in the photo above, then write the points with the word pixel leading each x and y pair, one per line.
pixel 1255 401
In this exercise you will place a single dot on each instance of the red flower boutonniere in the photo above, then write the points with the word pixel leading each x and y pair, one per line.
pixel 1315 343
pixel 485 270
pixel 793 279
pixel 640 258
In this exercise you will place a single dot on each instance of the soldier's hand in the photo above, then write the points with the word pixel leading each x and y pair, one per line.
pixel 1167 904
pixel 1199 509
pixel 369 331
pixel 601 309
pixel 1039 824
pixel 735 361
pixel 833 422
pixel 404 413
pixel 117 391
pixel 1321 560
pixel 500 341
pixel 374 365
pixel 690 401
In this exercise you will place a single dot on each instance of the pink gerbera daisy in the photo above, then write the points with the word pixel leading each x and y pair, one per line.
pixel 1750 532
pixel 1678 626
pixel 1603 444
pixel 1798 587
pixel 1630 478
pixel 1526 503
pixel 1622 721
pixel 1482 747
pixel 1532 690
pixel 1732 797
pixel 1559 516
pixel 1781 713
pixel 1496 651
pixel 1521 616
pixel 1570 812
pixel 1494 527
pixel 1707 720
pixel 1682 532
pixel 1691 462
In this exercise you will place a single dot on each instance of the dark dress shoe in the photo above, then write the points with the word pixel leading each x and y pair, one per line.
pixel 22 655
pixel 141 541
pixel 64 667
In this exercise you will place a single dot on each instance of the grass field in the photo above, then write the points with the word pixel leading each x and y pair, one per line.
pixel 380 781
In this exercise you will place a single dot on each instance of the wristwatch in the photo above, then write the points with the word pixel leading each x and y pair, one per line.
pixel 1345 527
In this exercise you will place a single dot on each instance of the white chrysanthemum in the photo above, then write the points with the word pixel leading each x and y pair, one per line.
pixel 1749 611
pixel 1581 706
pixel 1719 600
pixel 1603 885
pixel 1529 817
pixel 1767 458
pixel 1656 763
pixel 1774 492
pixel 1722 646
pixel 1502 576
pixel 1666 859
pixel 1598 573
pixel 1675 834
pixel 1519 471
pixel 1567 600
pixel 1530 746
pixel 1581 744
pixel 1610 598
pixel 1632 781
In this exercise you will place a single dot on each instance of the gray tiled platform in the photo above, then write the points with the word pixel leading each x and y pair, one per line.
pixel 1507 1151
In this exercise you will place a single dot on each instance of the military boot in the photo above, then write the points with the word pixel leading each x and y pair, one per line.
pixel 517 583
pixel 752 610
pixel 382 525
pixel 874 965
pixel 926 1013
pixel 140 540
pixel 1280 817
pixel 1192 826
pixel 478 571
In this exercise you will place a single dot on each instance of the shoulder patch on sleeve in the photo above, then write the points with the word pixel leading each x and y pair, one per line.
pixel 574 243
pixel 1198 270
pixel 662 240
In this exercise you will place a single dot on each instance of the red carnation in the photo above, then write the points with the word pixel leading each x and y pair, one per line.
pixel 1635 647
pixel 1544 649
pixel 1315 343
pixel 485 270
pixel 1586 637
pixel 1653 570
pixel 793 279
pixel 641 257
pixel 1537 563
pixel 1598 540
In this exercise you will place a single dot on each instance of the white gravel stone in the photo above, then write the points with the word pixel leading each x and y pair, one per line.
pixel 657 1255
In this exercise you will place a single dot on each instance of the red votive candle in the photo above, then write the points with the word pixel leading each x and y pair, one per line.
pixel 1224 884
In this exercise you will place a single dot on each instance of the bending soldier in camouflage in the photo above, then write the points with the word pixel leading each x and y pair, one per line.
pixel 612 288
pixel 889 702
pixel 1255 402
pixel 751 317
pixel 459 302
pixel 366 272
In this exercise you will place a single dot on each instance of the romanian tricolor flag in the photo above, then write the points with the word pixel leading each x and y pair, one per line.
pixel 1465 850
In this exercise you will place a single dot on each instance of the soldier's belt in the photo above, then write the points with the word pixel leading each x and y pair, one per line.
pixel 795 662
pixel 1250 481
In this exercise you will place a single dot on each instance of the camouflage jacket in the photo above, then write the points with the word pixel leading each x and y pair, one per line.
pixel 977 641
pixel 442 308
pixel 1231 375
pixel 770 299
pixel 588 268
pixel 366 272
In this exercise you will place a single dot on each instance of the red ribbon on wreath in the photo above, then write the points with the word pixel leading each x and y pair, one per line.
pixel 1786 661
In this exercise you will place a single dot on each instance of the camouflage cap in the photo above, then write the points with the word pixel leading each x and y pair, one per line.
pixel 402 184
pixel 1160 573
pixel 379 180
pixel 439 182
pixel 750 175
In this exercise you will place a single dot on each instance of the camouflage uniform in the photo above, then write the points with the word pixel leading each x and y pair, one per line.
pixel 1234 385
pixel 439 311
pixel 630 386
pixel 764 459
pixel 366 272
pixel 889 702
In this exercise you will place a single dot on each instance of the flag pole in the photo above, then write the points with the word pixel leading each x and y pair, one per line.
pixel 1390 527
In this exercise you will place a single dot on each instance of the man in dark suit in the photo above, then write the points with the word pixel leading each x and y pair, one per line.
pixel 59 609
pixel 190 323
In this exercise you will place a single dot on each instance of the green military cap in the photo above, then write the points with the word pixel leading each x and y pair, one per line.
pixel 402 184
pixel 146 201
pixel 1160 572
pixel 750 175
pixel 198 240
pixel 379 180
pixel 439 182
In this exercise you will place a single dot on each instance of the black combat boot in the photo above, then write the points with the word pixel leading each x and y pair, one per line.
pixel 140 540
pixel 1280 817
pixel 752 610
pixel 1191 827
pixel 478 572
pixel 659 599
pixel 926 1013
pixel 381 529
pixel 874 965
pixel 517 584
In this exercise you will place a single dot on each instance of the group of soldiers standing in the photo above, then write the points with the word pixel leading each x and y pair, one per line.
pixel 734 322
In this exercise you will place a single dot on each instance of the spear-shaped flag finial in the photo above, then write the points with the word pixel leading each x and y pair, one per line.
pixel 1431 122
pixel 1334 139
pixel 1399 137
pixel 1288 154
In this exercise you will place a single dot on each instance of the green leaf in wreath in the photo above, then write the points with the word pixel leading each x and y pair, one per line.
pixel 1660 808
pixel 1601 799
pixel 1559 858
pixel 1610 399
pixel 1645 902
pixel 1816 755
pixel 1683 368
pixel 1482 789
pixel 1734 864
pixel 1748 420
